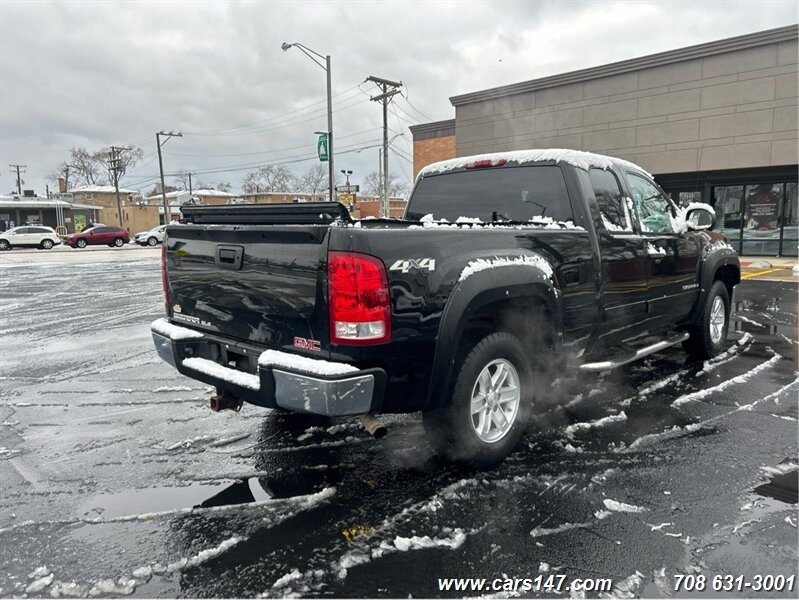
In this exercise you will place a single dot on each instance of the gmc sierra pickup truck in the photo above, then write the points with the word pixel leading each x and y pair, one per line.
pixel 503 264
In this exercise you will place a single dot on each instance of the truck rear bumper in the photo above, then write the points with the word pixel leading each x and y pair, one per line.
pixel 281 379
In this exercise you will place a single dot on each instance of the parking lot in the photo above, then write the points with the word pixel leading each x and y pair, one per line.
pixel 118 480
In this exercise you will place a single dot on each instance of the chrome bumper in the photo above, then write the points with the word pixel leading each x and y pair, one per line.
pixel 190 352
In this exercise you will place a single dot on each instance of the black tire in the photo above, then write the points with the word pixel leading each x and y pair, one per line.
pixel 119 242
pixel 47 244
pixel 709 335
pixel 4 245
pixel 152 241
pixel 455 427
pixel 81 243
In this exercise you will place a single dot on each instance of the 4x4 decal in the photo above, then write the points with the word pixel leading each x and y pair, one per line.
pixel 407 264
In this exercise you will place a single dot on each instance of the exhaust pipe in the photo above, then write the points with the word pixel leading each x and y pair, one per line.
pixel 224 400
pixel 375 428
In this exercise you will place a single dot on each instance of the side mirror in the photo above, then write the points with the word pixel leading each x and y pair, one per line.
pixel 700 219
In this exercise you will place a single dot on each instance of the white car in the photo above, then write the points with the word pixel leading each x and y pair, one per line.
pixel 36 236
pixel 150 238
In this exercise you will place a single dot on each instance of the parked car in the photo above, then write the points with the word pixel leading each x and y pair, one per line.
pixel 36 236
pixel 97 235
pixel 153 237
pixel 508 270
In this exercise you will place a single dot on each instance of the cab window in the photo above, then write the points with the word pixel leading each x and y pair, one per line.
pixel 653 210
pixel 612 207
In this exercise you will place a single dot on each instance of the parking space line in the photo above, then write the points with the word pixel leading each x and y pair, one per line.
pixel 747 276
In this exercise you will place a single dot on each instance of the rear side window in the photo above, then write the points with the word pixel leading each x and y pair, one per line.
pixel 498 194
pixel 612 206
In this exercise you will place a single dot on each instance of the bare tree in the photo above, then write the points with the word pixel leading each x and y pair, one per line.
pixel 373 185
pixel 271 178
pixel 315 180
pixel 92 168
pixel 181 179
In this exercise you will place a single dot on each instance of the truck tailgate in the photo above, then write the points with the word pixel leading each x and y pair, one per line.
pixel 260 284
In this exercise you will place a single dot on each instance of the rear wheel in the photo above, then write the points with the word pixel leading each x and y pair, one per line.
pixel 47 244
pixel 81 243
pixel 119 242
pixel 490 403
pixel 152 241
pixel 710 333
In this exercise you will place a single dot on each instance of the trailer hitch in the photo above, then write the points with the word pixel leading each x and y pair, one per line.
pixel 224 400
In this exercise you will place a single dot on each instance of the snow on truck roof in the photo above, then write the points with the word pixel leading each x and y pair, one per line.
pixel 576 158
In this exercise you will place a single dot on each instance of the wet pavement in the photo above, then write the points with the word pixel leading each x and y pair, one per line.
pixel 118 480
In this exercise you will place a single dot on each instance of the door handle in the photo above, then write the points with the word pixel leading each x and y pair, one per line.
pixel 229 257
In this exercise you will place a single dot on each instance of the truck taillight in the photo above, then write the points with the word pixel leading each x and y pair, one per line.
pixel 163 276
pixel 360 309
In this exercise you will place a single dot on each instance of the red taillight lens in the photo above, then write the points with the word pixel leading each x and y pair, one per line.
pixel 482 164
pixel 360 309
pixel 163 276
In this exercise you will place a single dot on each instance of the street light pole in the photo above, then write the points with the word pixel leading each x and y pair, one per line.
pixel 308 52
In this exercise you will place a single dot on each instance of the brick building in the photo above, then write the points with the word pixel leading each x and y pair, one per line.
pixel 716 122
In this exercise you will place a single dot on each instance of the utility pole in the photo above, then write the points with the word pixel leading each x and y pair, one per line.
pixel 117 170
pixel 167 215
pixel 19 180
pixel 385 97
pixel 191 192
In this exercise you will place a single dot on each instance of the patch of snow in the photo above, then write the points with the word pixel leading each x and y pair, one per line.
pixel 122 586
pixel 39 584
pixel 209 367
pixel 730 382
pixel 465 219
pixel 576 158
pixel 204 555
pixel 174 388
pixel 653 250
pixel 615 506
pixel 544 531
pixel 781 469
pixel 627 588
pixel 609 225
pixel 575 427
pixel 790 521
pixel 294 575
pixel 740 317
pixel 543 567
pixel 679 222
pixel 312 366
pixel 530 260
pixel 173 332
pixel 143 572
pixel 403 544
pixel 659 527
pixel 602 514
pixel 39 572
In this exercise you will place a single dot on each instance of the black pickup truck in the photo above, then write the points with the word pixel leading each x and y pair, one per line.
pixel 504 265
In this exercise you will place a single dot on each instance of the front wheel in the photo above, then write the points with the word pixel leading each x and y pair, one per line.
pixel 710 332
pixel 4 245
pixel 490 403
pixel 152 241
pixel 81 243
pixel 119 242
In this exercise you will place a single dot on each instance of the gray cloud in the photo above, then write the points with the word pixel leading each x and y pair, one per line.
pixel 101 73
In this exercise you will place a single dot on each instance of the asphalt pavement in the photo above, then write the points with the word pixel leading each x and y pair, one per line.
pixel 118 480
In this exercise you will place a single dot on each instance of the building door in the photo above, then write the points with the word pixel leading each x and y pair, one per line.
pixel 762 216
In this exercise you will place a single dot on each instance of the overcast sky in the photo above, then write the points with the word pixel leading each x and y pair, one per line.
pixel 96 73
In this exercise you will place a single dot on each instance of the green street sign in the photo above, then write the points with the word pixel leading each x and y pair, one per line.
pixel 321 147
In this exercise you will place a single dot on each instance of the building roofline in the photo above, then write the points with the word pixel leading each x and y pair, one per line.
pixel 432 127
pixel 741 42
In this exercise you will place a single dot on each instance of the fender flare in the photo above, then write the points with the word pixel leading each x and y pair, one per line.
pixel 468 297
pixel 707 270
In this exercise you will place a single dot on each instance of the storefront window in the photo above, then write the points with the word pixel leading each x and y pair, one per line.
pixel 761 234
pixel 790 236
pixel 728 202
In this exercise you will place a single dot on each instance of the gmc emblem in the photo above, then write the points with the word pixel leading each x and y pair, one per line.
pixel 307 344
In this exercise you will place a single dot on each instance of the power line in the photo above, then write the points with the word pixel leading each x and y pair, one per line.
pixel 405 96
pixel 264 123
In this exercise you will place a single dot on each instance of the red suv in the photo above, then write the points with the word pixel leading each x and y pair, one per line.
pixel 100 234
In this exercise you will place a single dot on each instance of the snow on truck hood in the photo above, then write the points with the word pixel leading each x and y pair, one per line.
pixel 576 158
